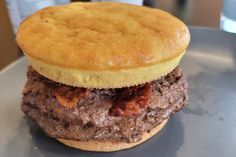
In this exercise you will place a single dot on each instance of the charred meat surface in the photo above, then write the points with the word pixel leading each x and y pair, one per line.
pixel 102 114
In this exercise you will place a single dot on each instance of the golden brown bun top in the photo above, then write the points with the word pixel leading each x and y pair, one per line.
pixel 102 36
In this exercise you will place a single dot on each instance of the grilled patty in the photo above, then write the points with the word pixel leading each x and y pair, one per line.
pixel 122 114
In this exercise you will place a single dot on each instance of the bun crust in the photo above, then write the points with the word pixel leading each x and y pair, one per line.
pixel 108 146
pixel 104 79
pixel 86 41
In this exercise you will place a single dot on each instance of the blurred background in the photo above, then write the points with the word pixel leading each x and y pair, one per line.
pixel 201 13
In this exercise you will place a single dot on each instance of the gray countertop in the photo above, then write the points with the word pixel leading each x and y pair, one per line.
pixel 206 128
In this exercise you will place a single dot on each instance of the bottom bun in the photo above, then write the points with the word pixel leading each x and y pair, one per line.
pixel 109 146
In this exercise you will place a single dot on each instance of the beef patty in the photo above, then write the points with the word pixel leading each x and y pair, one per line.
pixel 102 114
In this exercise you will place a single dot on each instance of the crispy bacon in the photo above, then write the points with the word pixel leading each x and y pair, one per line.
pixel 128 102
pixel 132 101
pixel 70 97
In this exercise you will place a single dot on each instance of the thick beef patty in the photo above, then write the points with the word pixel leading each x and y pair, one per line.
pixel 102 114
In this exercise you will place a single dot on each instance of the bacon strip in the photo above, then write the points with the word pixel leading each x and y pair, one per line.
pixel 70 97
pixel 132 101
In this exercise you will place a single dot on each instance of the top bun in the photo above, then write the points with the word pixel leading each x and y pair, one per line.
pixel 103 45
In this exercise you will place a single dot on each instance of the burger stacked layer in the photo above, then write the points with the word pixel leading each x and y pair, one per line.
pixel 103 76
pixel 103 114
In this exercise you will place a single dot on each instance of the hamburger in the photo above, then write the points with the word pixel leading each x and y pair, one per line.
pixel 103 76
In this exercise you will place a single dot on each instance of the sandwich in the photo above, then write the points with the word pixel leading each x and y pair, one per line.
pixel 103 76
